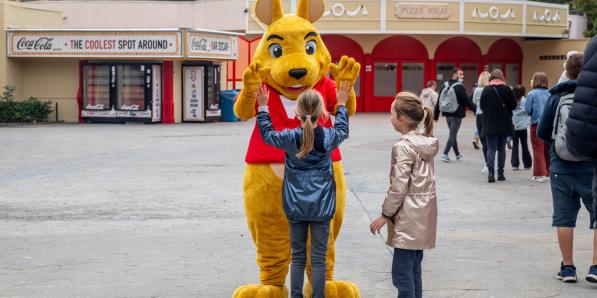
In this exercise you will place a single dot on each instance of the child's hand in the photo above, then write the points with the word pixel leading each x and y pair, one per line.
pixel 262 95
pixel 377 224
pixel 343 92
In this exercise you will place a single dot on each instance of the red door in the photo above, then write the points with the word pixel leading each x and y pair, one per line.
pixel 398 63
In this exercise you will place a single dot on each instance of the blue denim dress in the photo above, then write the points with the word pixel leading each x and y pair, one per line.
pixel 309 188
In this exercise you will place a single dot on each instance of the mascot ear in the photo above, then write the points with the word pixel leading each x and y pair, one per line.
pixel 268 11
pixel 310 10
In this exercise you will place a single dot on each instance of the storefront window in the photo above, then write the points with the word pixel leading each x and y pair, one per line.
pixel 96 87
pixel 385 79
pixel 131 87
pixel 413 77
pixel 444 73
pixel 512 74
pixel 471 74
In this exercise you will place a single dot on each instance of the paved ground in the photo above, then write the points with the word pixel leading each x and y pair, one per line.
pixel 157 211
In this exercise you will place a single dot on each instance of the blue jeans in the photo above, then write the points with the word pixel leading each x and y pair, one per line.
pixel 406 272
pixel 568 190
pixel 319 245
pixel 496 144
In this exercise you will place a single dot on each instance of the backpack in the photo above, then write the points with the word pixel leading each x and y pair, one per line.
pixel 448 102
pixel 560 125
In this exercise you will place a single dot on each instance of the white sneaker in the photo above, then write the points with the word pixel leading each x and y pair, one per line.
pixel 539 179
pixel 459 156
pixel 515 168
pixel 446 158
pixel 485 170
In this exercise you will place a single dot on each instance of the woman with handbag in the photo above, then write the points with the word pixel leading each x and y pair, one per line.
pixel 497 103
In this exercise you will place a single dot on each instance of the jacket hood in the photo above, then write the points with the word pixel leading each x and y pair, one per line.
pixel 567 86
pixel 426 147
pixel 427 91
pixel 497 82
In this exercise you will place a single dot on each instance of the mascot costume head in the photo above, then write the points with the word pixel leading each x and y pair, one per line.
pixel 290 58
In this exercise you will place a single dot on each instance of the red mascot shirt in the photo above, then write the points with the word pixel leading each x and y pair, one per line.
pixel 284 118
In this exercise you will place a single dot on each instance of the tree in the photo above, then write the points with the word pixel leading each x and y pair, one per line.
pixel 589 9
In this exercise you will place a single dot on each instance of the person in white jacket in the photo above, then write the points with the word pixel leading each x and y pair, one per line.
pixel 429 95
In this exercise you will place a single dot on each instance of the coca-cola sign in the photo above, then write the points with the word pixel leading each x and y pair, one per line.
pixel 129 107
pixel 97 106
pixel 203 45
pixel 33 43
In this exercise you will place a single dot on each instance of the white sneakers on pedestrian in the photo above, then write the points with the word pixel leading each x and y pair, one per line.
pixel 484 170
pixel 459 156
pixel 539 179
pixel 446 158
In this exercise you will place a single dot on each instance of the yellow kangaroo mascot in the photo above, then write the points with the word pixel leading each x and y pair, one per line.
pixel 290 58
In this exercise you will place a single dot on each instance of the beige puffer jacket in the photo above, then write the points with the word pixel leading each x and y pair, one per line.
pixel 411 201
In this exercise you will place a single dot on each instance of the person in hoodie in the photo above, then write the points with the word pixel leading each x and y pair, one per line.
pixel 410 206
pixel 570 180
pixel 497 103
pixel 454 120
pixel 308 188
pixel 581 136
pixel 534 105
pixel 429 95
pixel 521 121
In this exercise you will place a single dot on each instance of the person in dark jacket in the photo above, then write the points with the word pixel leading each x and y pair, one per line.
pixel 308 188
pixel 454 120
pixel 570 181
pixel 497 103
pixel 581 135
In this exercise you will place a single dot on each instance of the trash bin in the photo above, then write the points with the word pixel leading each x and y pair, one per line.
pixel 227 104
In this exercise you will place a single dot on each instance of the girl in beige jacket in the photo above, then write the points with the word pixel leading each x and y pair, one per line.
pixel 410 207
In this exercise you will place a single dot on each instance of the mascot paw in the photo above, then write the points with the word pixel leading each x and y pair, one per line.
pixel 260 291
pixel 336 289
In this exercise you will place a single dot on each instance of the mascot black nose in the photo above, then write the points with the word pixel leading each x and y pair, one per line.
pixel 297 73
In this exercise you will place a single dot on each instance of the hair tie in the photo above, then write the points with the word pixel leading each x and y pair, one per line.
pixel 308 117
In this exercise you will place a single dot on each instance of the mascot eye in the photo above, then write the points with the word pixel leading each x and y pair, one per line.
pixel 275 50
pixel 310 47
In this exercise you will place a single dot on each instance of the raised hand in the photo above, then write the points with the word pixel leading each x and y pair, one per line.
pixel 253 77
pixel 343 92
pixel 262 95
pixel 346 70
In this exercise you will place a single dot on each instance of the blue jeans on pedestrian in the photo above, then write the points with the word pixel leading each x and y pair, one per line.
pixel 406 272
pixel 319 245
pixel 496 144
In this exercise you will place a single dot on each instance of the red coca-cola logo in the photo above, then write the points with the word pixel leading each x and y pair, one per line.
pixel 41 43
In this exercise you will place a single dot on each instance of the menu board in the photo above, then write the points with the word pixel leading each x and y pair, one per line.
pixel 156 93
pixel 193 102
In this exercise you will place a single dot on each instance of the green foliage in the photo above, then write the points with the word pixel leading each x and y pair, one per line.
pixel 30 110
pixel 589 9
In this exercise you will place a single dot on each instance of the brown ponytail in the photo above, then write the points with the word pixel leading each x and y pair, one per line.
pixel 308 108
pixel 411 106
pixel 428 121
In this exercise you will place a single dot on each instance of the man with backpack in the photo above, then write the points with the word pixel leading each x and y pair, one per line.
pixel 452 103
pixel 581 135
pixel 570 177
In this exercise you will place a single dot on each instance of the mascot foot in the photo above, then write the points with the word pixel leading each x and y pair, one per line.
pixel 336 289
pixel 260 291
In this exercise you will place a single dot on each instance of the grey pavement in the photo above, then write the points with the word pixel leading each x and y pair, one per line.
pixel 157 211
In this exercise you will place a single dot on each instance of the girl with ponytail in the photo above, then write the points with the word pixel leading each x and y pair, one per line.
pixel 308 188
pixel 410 206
